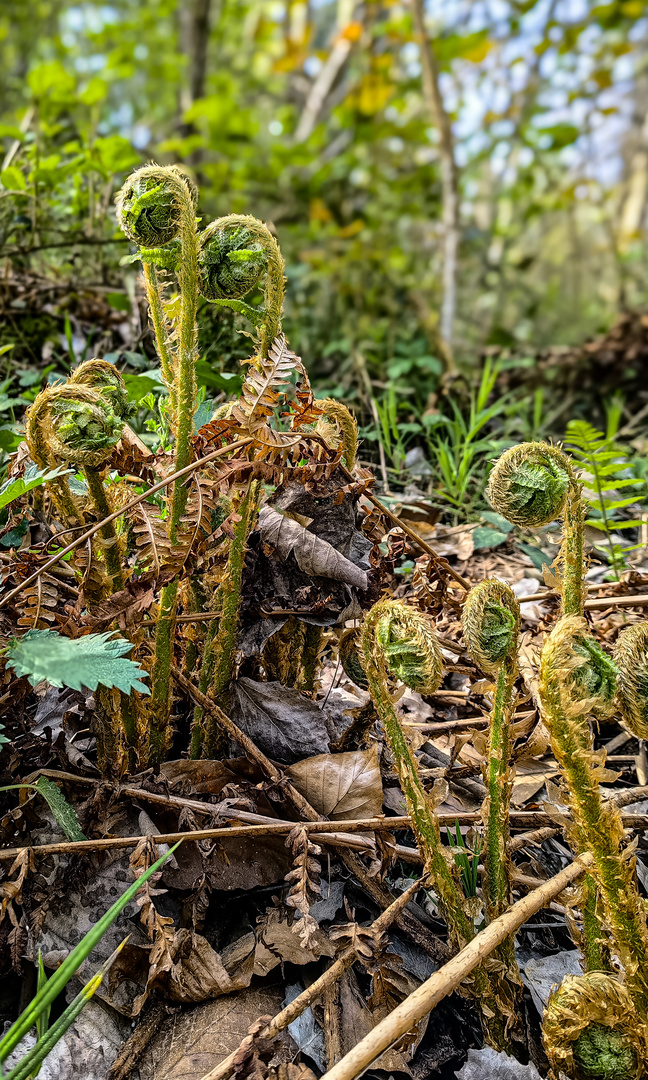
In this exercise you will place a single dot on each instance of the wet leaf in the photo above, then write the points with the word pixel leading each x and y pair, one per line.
pixel 193 1042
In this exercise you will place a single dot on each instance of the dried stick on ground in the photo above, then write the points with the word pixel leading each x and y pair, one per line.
pixel 281 1021
pixel 448 978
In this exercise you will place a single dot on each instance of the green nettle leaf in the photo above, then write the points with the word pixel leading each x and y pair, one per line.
pixel 63 813
pixel 33 478
pixel 97 659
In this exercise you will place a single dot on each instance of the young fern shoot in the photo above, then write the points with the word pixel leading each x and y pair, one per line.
pixel 491 625
pixel 398 641
pixel 591 1031
pixel 533 484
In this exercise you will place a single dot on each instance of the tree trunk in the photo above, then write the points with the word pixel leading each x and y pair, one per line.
pixel 449 175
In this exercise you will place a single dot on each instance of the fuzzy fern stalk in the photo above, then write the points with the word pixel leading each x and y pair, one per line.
pixel 491 626
pixel 578 679
pixel 310 658
pixel 631 658
pixel 339 422
pixel 398 642
pixel 220 648
pixel 156 208
pixel 591 1030
pixel 531 485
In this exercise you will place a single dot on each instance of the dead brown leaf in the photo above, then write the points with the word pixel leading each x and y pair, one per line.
pixel 193 1042
pixel 314 556
pixel 341 786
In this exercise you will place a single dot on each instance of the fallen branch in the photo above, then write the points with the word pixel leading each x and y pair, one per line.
pixel 448 978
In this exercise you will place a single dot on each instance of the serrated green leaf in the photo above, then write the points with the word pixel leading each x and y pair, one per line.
pixel 63 813
pixel 33 478
pixel 97 659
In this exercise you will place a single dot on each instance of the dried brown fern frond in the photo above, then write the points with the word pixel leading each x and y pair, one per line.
pixel 304 880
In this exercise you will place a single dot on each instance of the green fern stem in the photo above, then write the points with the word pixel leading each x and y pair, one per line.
pixel 161 331
pixel 491 625
pixel 571 553
pixel 398 640
pixel 577 679
pixel 222 650
pixel 110 541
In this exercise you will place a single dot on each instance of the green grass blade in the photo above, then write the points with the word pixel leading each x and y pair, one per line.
pixel 46 995
pixel 34 1058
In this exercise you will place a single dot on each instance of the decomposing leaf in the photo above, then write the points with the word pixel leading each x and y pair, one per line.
pixel 285 724
pixel 304 880
pixel 341 786
pixel 314 556
pixel 489 1064
pixel 541 973
pixel 194 1041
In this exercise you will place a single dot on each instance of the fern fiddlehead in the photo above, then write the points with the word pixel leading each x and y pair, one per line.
pixel 398 641
pixel 631 659
pixel 236 253
pixel 491 624
pixel 77 424
pixel 578 679
pixel 336 414
pixel 531 485
pixel 591 1030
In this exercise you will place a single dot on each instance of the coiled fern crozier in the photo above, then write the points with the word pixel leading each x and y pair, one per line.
pixel 398 642
pixel 530 484
pixel 533 484
pixel 491 625
pixel 591 1031
pixel 80 425
pixel 337 416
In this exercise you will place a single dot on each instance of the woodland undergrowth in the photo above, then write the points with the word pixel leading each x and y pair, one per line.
pixel 189 600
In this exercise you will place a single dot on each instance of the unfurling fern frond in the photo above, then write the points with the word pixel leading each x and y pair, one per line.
pixel 264 390
pixel 344 427
pixel 399 641
pixel 531 485
pixel 577 679
pixel 591 1030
